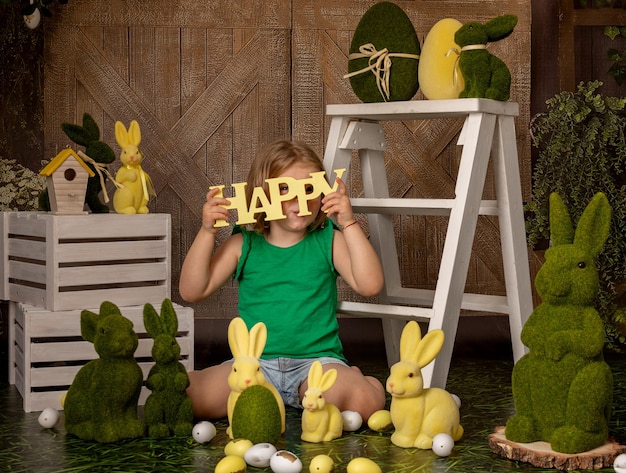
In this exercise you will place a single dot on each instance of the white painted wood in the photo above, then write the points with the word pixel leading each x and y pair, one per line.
pixel 416 206
pixel 488 131
pixel 42 342
pixel 122 258
pixel 4 255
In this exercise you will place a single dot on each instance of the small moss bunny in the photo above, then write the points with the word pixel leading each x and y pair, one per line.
pixel 168 409
pixel 562 387
pixel 101 404
pixel 485 75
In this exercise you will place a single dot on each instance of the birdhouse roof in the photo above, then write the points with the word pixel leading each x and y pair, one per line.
pixel 60 159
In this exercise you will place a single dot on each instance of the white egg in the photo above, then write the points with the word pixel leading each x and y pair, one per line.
pixel 284 461
pixel 259 455
pixel 352 421
pixel 203 432
pixel 48 417
pixel 457 399
pixel 619 465
pixel 443 444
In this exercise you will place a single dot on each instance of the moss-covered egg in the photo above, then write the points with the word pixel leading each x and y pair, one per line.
pixel 384 26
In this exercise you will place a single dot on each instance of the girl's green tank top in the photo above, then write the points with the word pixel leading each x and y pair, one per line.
pixel 293 291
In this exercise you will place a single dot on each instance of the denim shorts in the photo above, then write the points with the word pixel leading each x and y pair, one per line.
pixel 287 374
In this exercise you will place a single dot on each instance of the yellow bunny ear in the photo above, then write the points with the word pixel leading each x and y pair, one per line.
pixel 409 340
pixel 328 379
pixel 429 347
pixel 238 338
pixel 134 133
pixel 315 374
pixel 121 135
pixel 258 337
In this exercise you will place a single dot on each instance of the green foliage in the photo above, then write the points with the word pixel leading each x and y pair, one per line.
pixel 19 186
pixel 582 150
pixel 256 416
pixel 616 57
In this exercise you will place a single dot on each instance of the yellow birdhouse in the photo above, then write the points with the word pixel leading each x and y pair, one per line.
pixel 66 178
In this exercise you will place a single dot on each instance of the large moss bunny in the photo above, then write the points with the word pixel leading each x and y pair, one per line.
pixel 168 409
pixel 101 403
pixel 562 387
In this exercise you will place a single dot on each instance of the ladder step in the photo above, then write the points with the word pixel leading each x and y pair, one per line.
pixel 473 302
pixel 415 206
pixel 366 309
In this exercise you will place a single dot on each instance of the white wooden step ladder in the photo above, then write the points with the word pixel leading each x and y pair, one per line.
pixel 488 131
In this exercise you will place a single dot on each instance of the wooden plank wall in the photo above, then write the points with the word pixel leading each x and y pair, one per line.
pixel 210 82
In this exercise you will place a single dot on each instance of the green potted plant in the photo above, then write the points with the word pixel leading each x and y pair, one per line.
pixel 581 140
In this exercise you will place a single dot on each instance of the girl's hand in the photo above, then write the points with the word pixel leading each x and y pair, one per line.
pixel 338 203
pixel 213 210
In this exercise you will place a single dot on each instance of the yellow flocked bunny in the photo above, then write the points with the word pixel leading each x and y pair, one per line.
pixel 134 185
pixel 419 414
pixel 321 421
pixel 247 348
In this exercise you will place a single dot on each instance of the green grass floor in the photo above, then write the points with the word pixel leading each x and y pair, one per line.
pixel 483 384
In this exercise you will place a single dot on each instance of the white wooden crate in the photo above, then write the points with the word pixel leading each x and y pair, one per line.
pixel 46 350
pixel 67 262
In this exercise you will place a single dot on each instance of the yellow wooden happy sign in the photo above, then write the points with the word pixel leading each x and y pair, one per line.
pixel 301 189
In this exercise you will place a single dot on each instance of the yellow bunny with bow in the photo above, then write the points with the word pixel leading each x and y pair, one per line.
pixel 134 185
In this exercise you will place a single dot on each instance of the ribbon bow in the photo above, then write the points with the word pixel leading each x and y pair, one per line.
pixel 456 69
pixel 379 64
pixel 100 168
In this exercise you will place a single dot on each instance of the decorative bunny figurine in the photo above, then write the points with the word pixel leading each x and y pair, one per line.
pixel 562 387
pixel 101 403
pixel 247 348
pixel 419 414
pixel 485 75
pixel 168 408
pixel 321 421
pixel 135 185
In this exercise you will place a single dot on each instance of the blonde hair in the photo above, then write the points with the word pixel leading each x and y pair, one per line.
pixel 270 162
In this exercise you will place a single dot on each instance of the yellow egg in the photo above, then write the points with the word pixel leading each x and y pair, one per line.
pixel 231 464
pixel 363 465
pixel 438 58
pixel 322 464
pixel 237 447
pixel 380 421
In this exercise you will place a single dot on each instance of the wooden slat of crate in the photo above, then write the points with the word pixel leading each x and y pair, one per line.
pixel 66 262
pixel 46 350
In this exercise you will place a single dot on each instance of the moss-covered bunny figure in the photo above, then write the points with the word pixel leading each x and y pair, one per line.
pixel 101 403
pixel 485 75
pixel 88 135
pixel 168 409
pixel 562 387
